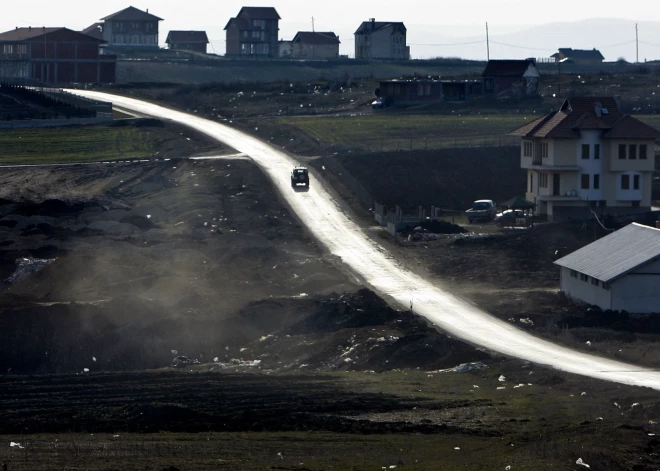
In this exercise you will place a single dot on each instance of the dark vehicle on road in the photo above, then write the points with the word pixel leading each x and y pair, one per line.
pixel 300 176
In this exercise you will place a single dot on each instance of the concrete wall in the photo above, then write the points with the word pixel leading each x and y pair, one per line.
pixel 315 51
pixel 639 291
pixel 584 291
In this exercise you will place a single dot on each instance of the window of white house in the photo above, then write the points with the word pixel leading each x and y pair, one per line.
pixel 606 286
pixel 596 151
pixel 584 277
pixel 528 148
pixel 597 181
pixel 584 181
pixel 544 150
pixel 245 34
pixel 625 182
pixel 594 282
pixel 573 273
pixel 585 151
pixel 635 182
pixel 622 151
pixel 420 89
pixel 543 180
pixel 642 151
pixel 632 154
pixel 428 89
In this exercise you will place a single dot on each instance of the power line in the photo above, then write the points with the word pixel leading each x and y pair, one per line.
pixel 519 47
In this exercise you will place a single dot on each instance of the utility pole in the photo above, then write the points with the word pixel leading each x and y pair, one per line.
pixel 636 44
pixel 487 43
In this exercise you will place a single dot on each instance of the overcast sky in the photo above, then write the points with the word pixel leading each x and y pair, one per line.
pixel 444 20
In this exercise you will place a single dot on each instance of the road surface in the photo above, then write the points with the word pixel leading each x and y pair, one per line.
pixel 329 224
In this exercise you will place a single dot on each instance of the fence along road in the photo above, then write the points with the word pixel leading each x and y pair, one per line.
pixel 326 220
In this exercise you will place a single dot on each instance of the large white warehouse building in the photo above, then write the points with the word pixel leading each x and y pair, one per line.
pixel 620 271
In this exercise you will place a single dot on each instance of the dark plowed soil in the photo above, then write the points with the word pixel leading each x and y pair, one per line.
pixel 201 402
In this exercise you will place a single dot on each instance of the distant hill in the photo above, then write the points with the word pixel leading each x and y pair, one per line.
pixel 613 37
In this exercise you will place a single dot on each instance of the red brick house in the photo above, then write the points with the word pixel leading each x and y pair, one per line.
pixel 54 55
pixel 511 78
pixel 254 32
pixel 195 41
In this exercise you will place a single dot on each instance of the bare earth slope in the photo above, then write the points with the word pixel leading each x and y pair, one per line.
pixel 331 226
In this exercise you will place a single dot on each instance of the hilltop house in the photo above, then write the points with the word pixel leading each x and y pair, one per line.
pixel 511 78
pixel 620 272
pixel 580 56
pixel 55 56
pixel 381 40
pixel 129 27
pixel 194 41
pixel 585 156
pixel 315 45
pixel 254 32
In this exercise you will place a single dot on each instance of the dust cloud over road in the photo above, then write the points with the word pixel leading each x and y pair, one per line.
pixel 327 220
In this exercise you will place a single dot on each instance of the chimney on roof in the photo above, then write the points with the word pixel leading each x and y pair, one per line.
pixel 598 108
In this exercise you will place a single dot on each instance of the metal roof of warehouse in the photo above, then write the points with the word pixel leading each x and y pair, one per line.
pixel 615 255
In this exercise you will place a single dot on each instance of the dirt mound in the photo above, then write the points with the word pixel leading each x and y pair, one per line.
pixel 358 331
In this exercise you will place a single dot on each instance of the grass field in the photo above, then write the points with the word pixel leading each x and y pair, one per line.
pixel 74 144
pixel 80 144
pixel 387 132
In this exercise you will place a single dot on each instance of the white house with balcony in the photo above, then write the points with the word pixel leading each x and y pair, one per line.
pixel 586 157
pixel 620 272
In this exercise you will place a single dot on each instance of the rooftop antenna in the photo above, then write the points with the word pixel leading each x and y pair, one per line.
pixel 313 24
pixel 487 43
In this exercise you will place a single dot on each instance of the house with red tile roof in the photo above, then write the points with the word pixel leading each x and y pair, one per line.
pixel 588 157
pixel 254 32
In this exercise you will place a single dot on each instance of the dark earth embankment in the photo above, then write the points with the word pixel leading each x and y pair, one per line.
pixel 446 178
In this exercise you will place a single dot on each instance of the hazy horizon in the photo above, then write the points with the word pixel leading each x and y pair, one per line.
pixel 515 31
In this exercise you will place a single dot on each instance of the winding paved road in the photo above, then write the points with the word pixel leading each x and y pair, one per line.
pixel 326 220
